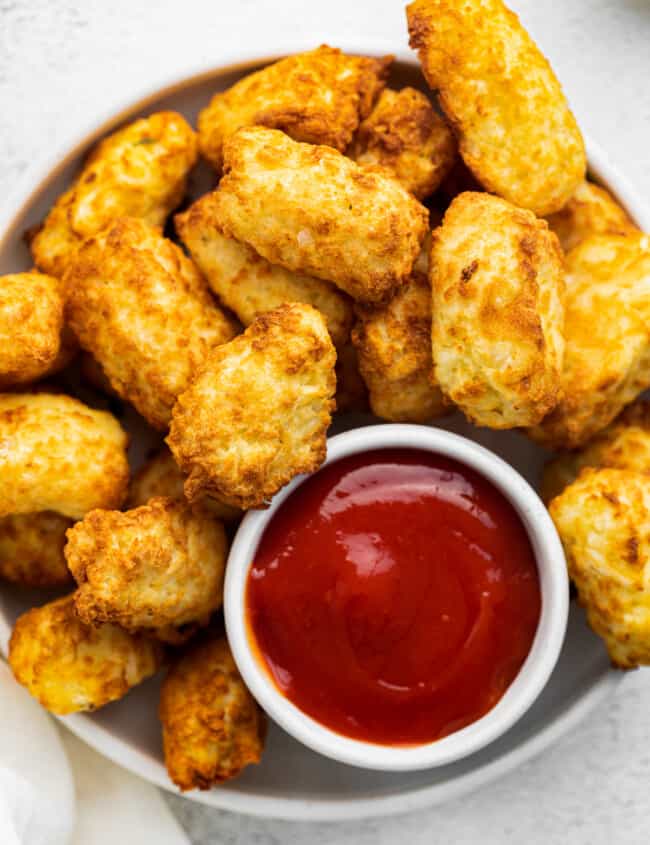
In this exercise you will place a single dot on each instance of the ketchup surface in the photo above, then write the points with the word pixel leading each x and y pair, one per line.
pixel 394 596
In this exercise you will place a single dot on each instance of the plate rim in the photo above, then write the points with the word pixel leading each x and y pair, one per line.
pixel 33 181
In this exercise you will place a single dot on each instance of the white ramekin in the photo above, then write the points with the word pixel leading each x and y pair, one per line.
pixel 531 678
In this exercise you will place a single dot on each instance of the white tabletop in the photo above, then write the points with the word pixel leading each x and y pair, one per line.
pixel 62 62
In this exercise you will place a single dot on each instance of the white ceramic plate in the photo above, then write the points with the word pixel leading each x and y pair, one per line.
pixel 293 782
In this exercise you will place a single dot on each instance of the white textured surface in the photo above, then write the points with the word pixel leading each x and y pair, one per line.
pixel 62 61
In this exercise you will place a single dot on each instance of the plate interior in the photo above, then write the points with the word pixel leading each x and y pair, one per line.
pixel 292 781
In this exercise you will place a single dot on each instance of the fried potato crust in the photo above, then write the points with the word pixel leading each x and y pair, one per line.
pixel 247 283
pixel 603 519
pixel 514 127
pixel 31 320
pixel 318 97
pixel 161 476
pixel 243 452
pixel 312 210
pixel 406 136
pixel 625 444
pixel 58 454
pixel 498 288
pixel 212 726
pixel 607 330
pixel 139 171
pixel 156 565
pixel 140 306
pixel 591 211
pixel 394 346
pixel 68 666
pixel 620 260
pixel 31 549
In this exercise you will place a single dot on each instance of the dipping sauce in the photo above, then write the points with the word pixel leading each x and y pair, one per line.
pixel 394 596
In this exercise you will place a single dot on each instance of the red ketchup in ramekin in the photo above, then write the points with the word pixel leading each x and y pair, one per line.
pixel 394 596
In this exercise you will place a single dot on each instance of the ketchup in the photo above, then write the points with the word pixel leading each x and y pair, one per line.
pixel 394 596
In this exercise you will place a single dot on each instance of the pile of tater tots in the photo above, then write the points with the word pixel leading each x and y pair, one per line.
pixel 409 252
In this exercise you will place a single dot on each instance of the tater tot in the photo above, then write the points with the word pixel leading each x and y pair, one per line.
pixel 591 211
pixel 405 135
pixel 242 453
pixel 625 444
pixel 620 260
pixel 58 454
pixel 394 346
pixel 31 549
pixel 603 520
pixel 68 666
pixel 140 171
pixel 498 313
pixel 514 127
pixel 212 726
pixel 161 476
pixel 314 211
pixel 158 564
pixel 318 97
pixel 607 330
pixel 31 320
pixel 247 283
pixel 144 311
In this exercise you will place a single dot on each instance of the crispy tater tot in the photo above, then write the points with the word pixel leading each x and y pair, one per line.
pixel 405 135
pixel 156 565
pixel 58 454
pixel 498 287
pixel 394 346
pixel 607 330
pixel 31 549
pixel 247 283
pixel 514 127
pixel 591 211
pixel 68 666
pixel 351 390
pixel 312 210
pixel 625 444
pixel 621 260
pixel 140 171
pixel 161 476
pixel 144 311
pixel 603 520
pixel 318 97
pixel 212 726
pixel 31 320
pixel 242 453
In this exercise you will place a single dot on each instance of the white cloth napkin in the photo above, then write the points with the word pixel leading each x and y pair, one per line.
pixel 55 790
